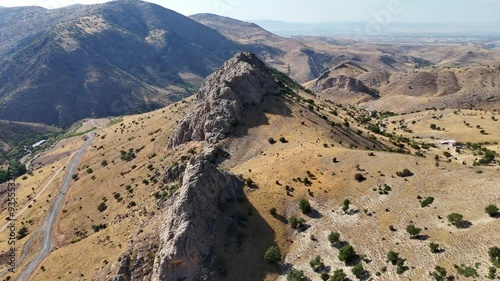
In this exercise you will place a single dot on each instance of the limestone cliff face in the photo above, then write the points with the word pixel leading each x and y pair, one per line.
pixel 240 82
pixel 187 236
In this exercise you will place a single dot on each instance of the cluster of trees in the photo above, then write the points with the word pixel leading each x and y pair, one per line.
pixel 15 169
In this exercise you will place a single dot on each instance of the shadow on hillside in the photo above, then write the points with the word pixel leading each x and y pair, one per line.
pixel 281 218
pixel 255 116
pixel 464 224
pixel 243 238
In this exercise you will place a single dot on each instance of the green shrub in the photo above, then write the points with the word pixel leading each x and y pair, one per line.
pixel 317 264
pixel 434 247
pixel 334 237
pixel 272 255
pixel 358 270
pixel 102 207
pixel 22 232
pixel 305 206
pixel 295 275
pixel 455 218
pixel 439 273
pixel 413 231
pixel 427 201
pixel 405 173
pixel 338 275
pixel 347 254
pixel 491 210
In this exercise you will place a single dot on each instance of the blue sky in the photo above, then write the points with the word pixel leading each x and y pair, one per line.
pixel 436 11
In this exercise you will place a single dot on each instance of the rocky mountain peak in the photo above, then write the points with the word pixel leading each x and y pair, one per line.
pixel 240 83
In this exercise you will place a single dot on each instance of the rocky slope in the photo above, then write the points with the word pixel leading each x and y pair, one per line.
pixel 239 83
pixel 188 232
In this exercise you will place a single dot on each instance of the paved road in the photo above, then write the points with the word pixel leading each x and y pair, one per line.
pixel 48 227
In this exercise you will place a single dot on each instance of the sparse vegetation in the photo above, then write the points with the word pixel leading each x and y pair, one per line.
pixel 317 264
pixel 404 174
pixel 413 231
pixel 305 206
pixel 272 255
pixel 347 254
pixel 295 275
pixel 334 238
pixel 455 218
pixel 491 210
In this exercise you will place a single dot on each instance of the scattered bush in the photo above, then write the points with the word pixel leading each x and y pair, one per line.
pixel 334 237
pixel 494 253
pixel 347 254
pixel 272 255
pixel 455 218
pixel 102 207
pixel 271 141
pixel 338 275
pixel 295 275
pixel 439 273
pixel 345 206
pixel 305 206
pixel 466 271
pixel 358 270
pixel 413 231
pixel 359 177
pixel 317 264
pixel 22 232
pixel 427 201
pixel 491 210
pixel 272 211
pixel 99 227
pixel 434 247
pixel 404 174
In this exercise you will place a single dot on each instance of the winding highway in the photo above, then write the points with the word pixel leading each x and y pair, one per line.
pixel 48 227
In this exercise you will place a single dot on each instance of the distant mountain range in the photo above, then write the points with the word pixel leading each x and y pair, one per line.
pixel 400 29
pixel 59 66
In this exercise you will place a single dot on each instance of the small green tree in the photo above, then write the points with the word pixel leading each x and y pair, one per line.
pixel 345 206
pixel 492 272
pixel 426 202
pixel 295 275
pixel 272 211
pixel 413 231
pixel 294 222
pixel 102 207
pixel 317 264
pixel 358 270
pixel 494 253
pixel 439 273
pixel 491 210
pixel 455 218
pixel 392 257
pixel 22 232
pixel 434 247
pixel 272 255
pixel 334 237
pixel 347 254
pixel 338 275
pixel 305 206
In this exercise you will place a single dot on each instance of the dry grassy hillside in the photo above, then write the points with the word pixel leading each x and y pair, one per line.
pixel 115 200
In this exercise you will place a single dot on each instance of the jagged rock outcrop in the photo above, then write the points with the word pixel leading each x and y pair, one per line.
pixel 240 82
pixel 343 82
pixel 188 235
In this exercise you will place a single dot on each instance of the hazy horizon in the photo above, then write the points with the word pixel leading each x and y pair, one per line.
pixel 457 12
